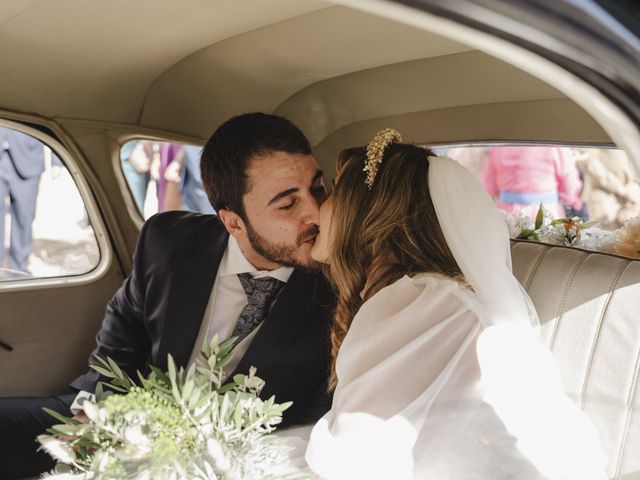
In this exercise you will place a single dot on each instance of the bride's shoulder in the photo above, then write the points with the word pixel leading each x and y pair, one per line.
pixel 421 292
pixel 431 288
pixel 441 289
pixel 418 284
pixel 432 280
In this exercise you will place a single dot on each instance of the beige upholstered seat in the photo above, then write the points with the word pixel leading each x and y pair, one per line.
pixel 589 308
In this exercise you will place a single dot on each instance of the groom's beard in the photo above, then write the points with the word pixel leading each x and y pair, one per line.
pixel 283 253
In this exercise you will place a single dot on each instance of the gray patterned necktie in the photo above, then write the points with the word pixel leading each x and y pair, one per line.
pixel 260 293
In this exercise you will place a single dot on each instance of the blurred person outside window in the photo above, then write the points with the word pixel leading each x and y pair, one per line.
pixel 194 197
pixel 166 170
pixel 164 176
pixel 611 189
pixel 21 164
pixel 525 176
pixel 473 158
pixel 135 157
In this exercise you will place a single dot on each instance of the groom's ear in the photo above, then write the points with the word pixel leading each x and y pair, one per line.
pixel 232 222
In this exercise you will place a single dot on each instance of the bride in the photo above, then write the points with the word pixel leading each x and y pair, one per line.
pixel 437 369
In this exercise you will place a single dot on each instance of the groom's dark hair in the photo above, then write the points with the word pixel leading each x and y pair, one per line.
pixel 230 150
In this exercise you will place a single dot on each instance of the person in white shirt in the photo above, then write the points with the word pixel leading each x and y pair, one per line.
pixel 245 272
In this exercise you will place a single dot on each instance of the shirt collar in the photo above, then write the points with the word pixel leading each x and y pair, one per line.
pixel 234 262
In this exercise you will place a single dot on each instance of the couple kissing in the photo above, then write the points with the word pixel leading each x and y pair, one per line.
pixel 387 313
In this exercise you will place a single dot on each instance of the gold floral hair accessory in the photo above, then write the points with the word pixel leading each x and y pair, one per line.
pixel 375 152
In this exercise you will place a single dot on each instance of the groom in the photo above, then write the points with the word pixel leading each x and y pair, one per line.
pixel 246 272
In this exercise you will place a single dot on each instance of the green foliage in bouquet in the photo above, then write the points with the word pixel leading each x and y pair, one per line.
pixel 174 424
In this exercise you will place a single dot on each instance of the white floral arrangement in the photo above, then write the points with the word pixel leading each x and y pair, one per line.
pixel 575 232
pixel 174 425
pixel 628 239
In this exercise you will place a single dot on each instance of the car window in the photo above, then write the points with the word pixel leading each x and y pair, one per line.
pixel 570 195
pixel 164 176
pixel 45 231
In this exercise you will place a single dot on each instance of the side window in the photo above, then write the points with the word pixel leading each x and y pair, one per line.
pixel 164 176
pixel 590 197
pixel 45 231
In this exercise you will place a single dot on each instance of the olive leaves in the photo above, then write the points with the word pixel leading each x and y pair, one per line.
pixel 182 423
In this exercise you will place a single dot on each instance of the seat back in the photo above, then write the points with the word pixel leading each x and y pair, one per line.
pixel 589 309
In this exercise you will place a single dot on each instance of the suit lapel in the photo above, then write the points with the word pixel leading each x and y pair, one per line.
pixel 290 313
pixel 192 278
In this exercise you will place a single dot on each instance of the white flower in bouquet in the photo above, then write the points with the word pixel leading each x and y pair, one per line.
pixel 559 231
pixel 554 234
pixel 141 444
pixel 217 454
pixel 574 232
pixel 597 239
pixel 58 449
pixel 521 226
pixel 547 215
pixel 628 239
pixel 176 425
pixel 519 222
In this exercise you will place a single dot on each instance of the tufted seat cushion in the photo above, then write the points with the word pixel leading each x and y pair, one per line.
pixel 589 308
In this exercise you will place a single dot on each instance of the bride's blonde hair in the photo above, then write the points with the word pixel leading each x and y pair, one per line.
pixel 390 228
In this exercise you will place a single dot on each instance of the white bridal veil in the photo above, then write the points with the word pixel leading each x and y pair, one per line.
pixel 478 237
pixel 521 378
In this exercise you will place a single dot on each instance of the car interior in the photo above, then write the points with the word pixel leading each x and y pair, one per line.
pixel 86 77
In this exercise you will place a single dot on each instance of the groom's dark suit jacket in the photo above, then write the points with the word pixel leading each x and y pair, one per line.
pixel 161 305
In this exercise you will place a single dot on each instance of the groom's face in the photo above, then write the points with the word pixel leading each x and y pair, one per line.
pixel 283 198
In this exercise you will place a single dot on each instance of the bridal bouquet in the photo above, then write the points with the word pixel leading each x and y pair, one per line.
pixel 559 231
pixel 624 241
pixel 176 425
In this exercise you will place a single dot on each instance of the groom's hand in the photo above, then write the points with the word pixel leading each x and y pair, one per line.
pixel 81 417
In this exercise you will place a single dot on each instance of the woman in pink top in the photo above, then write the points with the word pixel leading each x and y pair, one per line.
pixel 520 177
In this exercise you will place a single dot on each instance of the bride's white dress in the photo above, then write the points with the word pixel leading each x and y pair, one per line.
pixel 425 391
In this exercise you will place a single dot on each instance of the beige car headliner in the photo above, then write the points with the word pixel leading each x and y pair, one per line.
pixel 183 67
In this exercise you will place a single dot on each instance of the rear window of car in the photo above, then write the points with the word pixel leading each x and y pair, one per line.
pixel 578 196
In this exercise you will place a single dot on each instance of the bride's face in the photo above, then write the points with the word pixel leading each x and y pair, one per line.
pixel 321 248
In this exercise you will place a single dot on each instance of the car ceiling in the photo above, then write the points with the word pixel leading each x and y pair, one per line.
pixel 184 67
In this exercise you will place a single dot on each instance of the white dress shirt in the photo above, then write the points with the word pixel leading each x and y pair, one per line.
pixel 225 304
pixel 228 299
